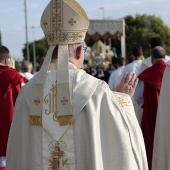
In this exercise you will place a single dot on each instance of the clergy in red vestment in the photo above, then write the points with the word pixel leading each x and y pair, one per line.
pixel 10 85
pixel 147 96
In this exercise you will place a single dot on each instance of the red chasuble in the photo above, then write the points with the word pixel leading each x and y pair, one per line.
pixel 152 78
pixel 10 85
pixel 3 168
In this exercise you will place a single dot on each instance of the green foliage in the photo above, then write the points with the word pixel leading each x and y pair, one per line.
pixel 41 49
pixel 141 28
pixel 18 65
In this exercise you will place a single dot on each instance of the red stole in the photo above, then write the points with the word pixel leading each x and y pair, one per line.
pixel 10 84
pixel 152 78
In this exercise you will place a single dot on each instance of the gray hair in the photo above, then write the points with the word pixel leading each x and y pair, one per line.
pixel 26 66
pixel 158 52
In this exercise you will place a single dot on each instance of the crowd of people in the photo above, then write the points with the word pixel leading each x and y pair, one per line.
pixel 146 97
pixel 64 118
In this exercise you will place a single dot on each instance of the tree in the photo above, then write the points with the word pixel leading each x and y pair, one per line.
pixel 41 49
pixel 141 28
pixel 18 64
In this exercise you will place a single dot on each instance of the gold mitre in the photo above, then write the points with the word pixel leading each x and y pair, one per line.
pixel 64 22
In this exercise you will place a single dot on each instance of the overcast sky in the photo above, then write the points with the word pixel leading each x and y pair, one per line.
pixel 12 19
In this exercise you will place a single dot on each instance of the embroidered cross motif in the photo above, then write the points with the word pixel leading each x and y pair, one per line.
pixel 64 100
pixel 37 101
pixel 45 23
pixel 122 102
pixel 72 21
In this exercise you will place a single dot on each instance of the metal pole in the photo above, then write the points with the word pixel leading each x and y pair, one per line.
pixel 26 31
pixel 34 50
pixel 123 41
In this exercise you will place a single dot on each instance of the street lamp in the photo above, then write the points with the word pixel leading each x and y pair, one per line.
pixel 26 31
pixel 103 12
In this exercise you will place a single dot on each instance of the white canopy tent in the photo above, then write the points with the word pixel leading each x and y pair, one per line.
pixel 107 30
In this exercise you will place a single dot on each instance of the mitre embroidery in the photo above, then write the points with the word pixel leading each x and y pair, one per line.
pixel 57 34
pixel 72 21
pixel 45 23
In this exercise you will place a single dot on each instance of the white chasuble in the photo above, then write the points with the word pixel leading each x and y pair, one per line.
pixel 105 135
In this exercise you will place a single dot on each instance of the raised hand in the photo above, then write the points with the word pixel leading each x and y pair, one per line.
pixel 128 84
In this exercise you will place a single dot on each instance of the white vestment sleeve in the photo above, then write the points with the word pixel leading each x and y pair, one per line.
pixel 138 96
pixel 111 82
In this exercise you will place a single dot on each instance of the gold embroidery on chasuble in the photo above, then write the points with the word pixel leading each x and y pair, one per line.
pixel 64 100
pixel 37 101
pixel 123 103
pixel 35 120
pixel 50 100
pixel 66 120
pixel 58 159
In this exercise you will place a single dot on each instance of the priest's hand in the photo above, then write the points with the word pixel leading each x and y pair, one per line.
pixel 128 84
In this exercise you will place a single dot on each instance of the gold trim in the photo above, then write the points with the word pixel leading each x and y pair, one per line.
pixel 35 120
pixel 70 37
pixel 65 37
pixel 66 120
pixel 45 23
pixel 58 15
